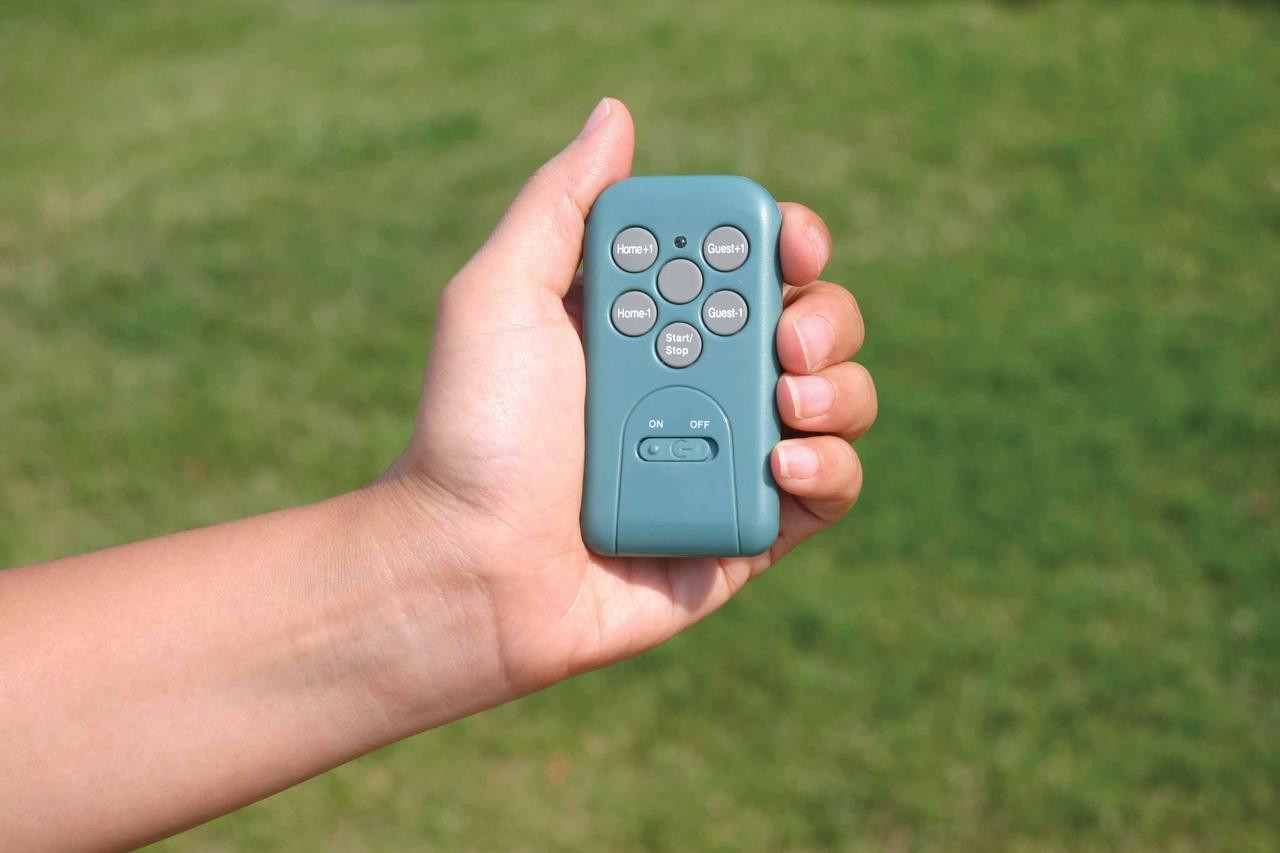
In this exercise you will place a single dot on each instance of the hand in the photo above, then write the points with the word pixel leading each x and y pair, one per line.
pixel 497 455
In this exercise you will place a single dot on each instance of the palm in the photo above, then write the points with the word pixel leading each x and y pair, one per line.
pixel 502 408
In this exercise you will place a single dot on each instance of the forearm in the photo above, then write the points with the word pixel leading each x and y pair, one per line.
pixel 148 687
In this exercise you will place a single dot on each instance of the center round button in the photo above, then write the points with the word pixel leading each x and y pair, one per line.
pixel 679 345
pixel 635 249
pixel 679 281
pixel 726 248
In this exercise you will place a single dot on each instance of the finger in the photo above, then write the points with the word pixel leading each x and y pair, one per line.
pixel 821 325
pixel 822 472
pixel 804 245
pixel 839 399
pixel 815 494
pixel 796 524
pixel 537 245
pixel 823 478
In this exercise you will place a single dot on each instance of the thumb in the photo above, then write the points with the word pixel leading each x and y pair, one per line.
pixel 538 243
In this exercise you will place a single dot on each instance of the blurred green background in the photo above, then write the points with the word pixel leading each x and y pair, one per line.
pixel 1053 621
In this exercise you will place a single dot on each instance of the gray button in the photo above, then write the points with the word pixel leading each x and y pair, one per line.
pixel 679 281
pixel 725 248
pixel 724 312
pixel 679 345
pixel 634 249
pixel 634 313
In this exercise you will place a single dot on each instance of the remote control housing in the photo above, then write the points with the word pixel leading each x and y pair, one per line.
pixel 680 421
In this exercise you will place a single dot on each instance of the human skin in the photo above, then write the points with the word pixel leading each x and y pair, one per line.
pixel 152 686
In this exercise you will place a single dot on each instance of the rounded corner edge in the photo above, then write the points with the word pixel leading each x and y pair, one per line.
pixel 758 539
pixel 755 188
pixel 609 193
pixel 599 541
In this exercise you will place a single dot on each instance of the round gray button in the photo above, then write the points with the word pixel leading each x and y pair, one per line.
pixel 724 312
pixel 725 248
pixel 679 345
pixel 679 281
pixel 634 249
pixel 634 313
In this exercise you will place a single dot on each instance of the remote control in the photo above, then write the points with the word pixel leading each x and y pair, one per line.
pixel 682 293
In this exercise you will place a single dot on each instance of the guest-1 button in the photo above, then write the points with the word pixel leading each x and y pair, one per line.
pixel 675 449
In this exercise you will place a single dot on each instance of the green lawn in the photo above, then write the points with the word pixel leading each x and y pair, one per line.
pixel 1053 621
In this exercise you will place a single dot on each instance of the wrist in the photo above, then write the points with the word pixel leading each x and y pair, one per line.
pixel 426 639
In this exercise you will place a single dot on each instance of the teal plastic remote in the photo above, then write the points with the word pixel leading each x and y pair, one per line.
pixel 682 293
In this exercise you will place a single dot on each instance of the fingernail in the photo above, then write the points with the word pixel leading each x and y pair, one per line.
pixel 821 245
pixel 597 117
pixel 810 395
pixel 797 461
pixel 816 339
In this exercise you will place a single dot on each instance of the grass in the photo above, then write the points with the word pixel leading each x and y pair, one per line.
pixel 1054 619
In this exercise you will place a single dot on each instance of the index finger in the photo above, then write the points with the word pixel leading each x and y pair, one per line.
pixel 804 245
